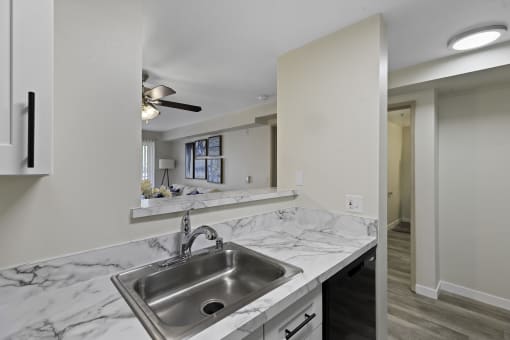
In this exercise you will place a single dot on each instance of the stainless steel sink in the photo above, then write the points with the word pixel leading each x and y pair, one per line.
pixel 182 299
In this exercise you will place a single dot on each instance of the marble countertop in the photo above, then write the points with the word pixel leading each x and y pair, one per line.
pixel 73 298
pixel 160 206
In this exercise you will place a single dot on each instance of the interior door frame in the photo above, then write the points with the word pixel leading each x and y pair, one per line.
pixel 411 105
pixel 273 177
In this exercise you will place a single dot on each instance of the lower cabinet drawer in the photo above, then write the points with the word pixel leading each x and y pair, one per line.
pixel 301 321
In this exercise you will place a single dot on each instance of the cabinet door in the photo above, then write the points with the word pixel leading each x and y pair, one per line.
pixel 300 313
pixel 316 334
pixel 26 35
pixel 256 335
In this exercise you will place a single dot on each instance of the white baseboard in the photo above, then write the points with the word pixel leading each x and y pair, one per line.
pixel 475 295
pixel 405 219
pixel 427 291
pixel 393 224
pixel 469 293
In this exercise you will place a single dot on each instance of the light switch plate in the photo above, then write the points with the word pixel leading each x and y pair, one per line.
pixel 354 203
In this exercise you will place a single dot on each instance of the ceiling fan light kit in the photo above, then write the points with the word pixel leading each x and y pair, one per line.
pixel 149 112
pixel 152 98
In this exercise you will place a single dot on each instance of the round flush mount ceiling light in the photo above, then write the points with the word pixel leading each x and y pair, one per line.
pixel 477 37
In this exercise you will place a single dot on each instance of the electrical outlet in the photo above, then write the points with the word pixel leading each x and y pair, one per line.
pixel 354 203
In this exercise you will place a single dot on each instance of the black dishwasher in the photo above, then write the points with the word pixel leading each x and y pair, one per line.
pixel 348 300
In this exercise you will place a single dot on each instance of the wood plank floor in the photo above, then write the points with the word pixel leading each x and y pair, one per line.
pixel 411 316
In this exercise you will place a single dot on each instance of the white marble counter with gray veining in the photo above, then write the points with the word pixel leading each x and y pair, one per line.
pixel 170 205
pixel 73 298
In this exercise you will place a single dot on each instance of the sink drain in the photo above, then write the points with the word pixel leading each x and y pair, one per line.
pixel 212 306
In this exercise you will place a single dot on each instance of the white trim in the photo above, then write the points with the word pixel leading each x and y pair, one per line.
pixel 393 224
pixel 476 295
pixel 405 219
pixel 427 291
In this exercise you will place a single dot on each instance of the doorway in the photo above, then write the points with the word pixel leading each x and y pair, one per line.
pixel 401 258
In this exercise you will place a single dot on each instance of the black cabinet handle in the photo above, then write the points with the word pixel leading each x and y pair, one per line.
pixel 290 334
pixel 31 129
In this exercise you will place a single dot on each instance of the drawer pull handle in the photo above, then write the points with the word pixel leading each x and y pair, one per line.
pixel 31 129
pixel 290 334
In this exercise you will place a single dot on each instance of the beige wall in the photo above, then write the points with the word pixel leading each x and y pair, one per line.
pixel 405 175
pixel 246 153
pixel 97 132
pixel 243 119
pixel 394 171
pixel 85 203
pixel 417 76
pixel 399 173
pixel 332 126
pixel 335 133
pixel 474 190
pixel 425 189
pixel 330 134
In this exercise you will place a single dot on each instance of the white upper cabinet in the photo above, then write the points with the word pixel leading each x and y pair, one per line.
pixel 26 87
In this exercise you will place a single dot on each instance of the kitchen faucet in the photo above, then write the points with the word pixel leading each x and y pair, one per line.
pixel 188 237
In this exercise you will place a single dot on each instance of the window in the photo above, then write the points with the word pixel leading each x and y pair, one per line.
pixel 148 150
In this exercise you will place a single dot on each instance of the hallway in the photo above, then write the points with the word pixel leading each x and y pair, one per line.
pixel 411 316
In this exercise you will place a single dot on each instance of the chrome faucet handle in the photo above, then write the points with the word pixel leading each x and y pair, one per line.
pixel 186 223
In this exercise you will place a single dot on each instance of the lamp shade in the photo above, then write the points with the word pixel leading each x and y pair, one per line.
pixel 166 163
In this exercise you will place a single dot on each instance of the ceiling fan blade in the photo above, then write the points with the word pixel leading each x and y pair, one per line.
pixel 158 92
pixel 179 106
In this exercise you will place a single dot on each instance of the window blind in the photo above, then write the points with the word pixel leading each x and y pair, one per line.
pixel 148 159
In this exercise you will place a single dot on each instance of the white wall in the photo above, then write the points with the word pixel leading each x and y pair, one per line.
pixel 246 153
pixel 97 133
pixel 424 226
pixel 332 126
pixel 474 189
pixel 394 171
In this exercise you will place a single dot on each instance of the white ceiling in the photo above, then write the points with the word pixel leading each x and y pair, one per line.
pixel 222 54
